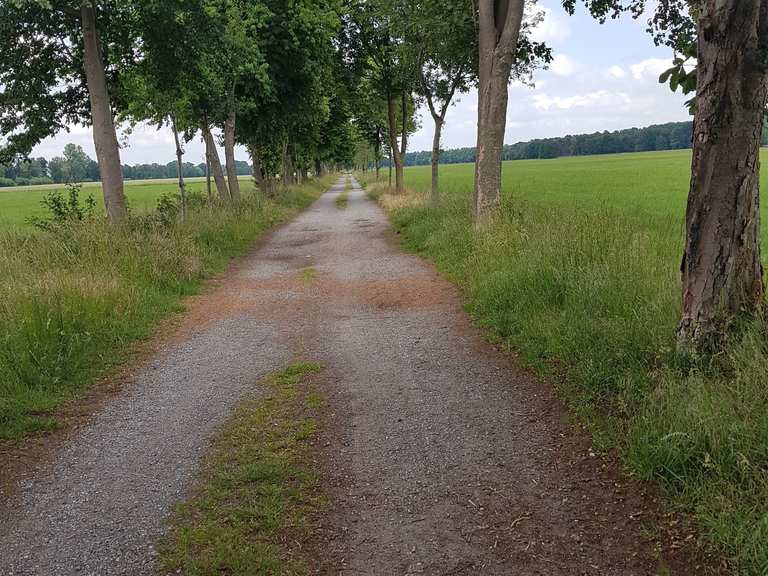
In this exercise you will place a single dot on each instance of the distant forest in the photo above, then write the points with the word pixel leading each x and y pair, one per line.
pixel 670 136
pixel 76 166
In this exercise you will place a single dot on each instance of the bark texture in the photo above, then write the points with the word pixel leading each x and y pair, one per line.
pixel 213 161
pixel 229 148
pixel 180 168
pixel 397 151
pixel 104 135
pixel 499 24
pixel 721 270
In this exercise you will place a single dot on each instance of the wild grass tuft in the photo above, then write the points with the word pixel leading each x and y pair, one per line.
pixel 579 273
pixel 74 300
pixel 256 489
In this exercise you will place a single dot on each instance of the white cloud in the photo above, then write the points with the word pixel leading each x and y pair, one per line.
pixel 650 68
pixel 600 98
pixel 616 72
pixel 553 29
pixel 564 65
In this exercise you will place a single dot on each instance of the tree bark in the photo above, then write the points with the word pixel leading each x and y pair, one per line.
pixel 229 148
pixel 208 175
pixel 213 160
pixel 722 274
pixel 499 24
pixel 395 157
pixel 258 172
pixel 104 135
pixel 180 168
pixel 435 193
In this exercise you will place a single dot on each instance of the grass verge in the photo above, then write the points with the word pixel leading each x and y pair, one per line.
pixel 590 292
pixel 343 199
pixel 72 302
pixel 256 489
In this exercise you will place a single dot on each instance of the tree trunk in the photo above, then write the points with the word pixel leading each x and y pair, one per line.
pixel 104 135
pixel 435 195
pixel 258 175
pixel 394 153
pixel 180 168
pixel 215 163
pixel 229 148
pixel 721 270
pixel 208 176
pixel 499 29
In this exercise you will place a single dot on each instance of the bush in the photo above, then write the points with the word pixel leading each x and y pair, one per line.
pixel 7 183
pixel 40 181
pixel 21 181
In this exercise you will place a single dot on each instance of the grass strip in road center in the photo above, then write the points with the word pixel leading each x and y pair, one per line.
pixel 256 490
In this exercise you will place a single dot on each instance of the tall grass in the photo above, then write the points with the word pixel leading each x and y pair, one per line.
pixel 589 291
pixel 73 301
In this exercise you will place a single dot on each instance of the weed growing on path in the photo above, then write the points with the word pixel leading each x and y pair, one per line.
pixel 74 300
pixel 343 198
pixel 256 489
pixel 582 280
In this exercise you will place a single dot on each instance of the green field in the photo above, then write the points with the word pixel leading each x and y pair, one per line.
pixel 578 273
pixel 19 204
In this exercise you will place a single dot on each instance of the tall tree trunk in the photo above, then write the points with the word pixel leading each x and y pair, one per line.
pixel 215 163
pixel 208 175
pixel 180 168
pixel 258 175
pixel 104 135
pixel 499 24
pixel 435 194
pixel 393 147
pixel 318 168
pixel 721 270
pixel 229 147
pixel 377 152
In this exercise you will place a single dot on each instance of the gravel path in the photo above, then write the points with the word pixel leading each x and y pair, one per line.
pixel 441 457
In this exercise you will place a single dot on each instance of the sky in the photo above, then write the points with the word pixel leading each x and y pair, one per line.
pixel 604 77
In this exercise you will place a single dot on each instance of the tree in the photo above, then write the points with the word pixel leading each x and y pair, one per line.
pixel 53 71
pixel 499 24
pixel 376 43
pixel 722 275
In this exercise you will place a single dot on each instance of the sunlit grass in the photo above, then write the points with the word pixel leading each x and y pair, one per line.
pixel 579 273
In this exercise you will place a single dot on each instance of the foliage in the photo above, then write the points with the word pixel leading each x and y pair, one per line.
pixel 63 210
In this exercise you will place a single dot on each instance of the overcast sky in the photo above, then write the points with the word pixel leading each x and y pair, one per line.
pixel 604 77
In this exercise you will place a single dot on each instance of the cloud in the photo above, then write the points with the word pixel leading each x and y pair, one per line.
pixel 616 72
pixel 650 68
pixel 599 98
pixel 563 65
pixel 553 29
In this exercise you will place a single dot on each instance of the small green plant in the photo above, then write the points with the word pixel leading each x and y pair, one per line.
pixel 65 209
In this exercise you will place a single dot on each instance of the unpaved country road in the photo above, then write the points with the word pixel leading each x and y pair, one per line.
pixel 440 456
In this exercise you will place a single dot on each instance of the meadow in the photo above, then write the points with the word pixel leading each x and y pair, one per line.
pixel 19 204
pixel 578 275
pixel 76 299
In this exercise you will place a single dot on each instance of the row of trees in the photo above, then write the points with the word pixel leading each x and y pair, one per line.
pixel 670 136
pixel 268 74
pixel 76 166
pixel 296 81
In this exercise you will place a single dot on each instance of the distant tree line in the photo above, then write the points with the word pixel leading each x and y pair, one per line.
pixel 76 166
pixel 670 136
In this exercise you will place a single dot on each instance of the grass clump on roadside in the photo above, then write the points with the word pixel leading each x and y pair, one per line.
pixel 343 199
pixel 74 299
pixel 588 290
pixel 256 489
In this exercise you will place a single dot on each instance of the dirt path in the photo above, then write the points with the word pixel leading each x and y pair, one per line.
pixel 442 457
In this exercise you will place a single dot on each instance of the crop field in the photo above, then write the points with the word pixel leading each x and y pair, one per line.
pixel 19 204
pixel 578 273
